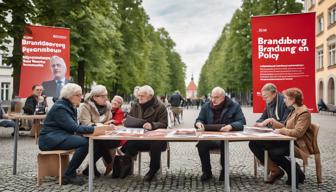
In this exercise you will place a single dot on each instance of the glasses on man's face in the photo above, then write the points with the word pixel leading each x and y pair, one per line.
pixel 39 89
pixel 215 97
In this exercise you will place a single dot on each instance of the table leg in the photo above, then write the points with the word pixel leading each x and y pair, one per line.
pixel 91 163
pixel 226 166
pixel 293 170
pixel 265 164
pixel 16 136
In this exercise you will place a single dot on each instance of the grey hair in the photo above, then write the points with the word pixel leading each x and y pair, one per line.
pixel 269 87
pixel 70 89
pixel 57 59
pixel 97 90
pixel 147 89
pixel 219 90
pixel 118 98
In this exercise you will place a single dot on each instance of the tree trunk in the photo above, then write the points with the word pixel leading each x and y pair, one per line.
pixel 81 73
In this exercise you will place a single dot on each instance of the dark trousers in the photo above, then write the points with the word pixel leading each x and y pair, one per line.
pixel 277 152
pixel 204 148
pixel 7 123
pixel 104 149
pixel 155 148
pixel 74 142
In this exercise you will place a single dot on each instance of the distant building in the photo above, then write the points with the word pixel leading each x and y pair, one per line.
pixel 325 47
pixel 191 89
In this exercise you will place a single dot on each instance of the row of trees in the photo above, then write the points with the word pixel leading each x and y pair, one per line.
pixel 112 43
pixel 229 64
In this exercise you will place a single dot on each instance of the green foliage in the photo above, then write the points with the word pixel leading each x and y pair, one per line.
pixel 229 64
pixel 112 42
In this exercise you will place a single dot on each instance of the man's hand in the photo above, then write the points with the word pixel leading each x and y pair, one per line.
pixel 226 128
pixel 200 126
pixel 100 130
pixel 147 126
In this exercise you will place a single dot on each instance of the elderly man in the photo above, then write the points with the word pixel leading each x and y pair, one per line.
pixel 222 111
pixel 275 111
pixel 148 108
pixel 58 68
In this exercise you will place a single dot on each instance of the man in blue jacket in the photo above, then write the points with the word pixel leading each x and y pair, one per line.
pixel 222 111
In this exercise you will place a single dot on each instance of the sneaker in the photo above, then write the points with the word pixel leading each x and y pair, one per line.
pixel 73 180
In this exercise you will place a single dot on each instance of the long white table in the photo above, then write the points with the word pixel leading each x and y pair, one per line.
pixel 200 136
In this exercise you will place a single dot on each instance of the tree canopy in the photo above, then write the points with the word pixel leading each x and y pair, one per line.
pixel 112 43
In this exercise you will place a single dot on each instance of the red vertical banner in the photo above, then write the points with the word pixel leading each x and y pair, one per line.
pixel 283 53
pixel 46 57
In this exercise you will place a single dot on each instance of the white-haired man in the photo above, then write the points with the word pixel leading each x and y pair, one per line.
pixel 224 115
pixel 58 68
pixel 154 112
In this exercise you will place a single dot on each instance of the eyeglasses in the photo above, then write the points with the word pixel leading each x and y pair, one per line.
pixel 215 97
pixel 39 89
pixel 79 95
pixel 101 96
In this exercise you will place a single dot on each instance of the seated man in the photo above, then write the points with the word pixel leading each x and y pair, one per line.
pixel 275 109
pixel 4 121
pixel 32 101
pixel 154 112
pixel 220 110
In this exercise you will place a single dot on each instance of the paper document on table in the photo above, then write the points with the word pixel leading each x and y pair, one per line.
pixel 258 129
pixel 183 132
pixel 123 131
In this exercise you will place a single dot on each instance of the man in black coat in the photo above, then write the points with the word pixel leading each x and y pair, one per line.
pixel 154 112
pixel 53 87
pixel 31 101
pixel 221 110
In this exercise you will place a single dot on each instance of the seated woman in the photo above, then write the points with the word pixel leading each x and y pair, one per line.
pixel 117 113
pixel 61 131
pixel 296 125
pixel 96 110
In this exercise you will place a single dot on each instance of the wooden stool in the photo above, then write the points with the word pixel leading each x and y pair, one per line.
pixel 52 163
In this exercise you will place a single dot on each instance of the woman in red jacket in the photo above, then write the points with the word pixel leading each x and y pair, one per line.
pixel 117 113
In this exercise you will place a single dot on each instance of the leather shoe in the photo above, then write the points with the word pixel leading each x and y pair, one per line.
pixel 72 180
pixel 206 177
pixel 273 176
pixel 108 169
pixel 149 175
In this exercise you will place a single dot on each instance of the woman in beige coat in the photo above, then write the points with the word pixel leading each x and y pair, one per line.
pixel 95 111
pixel 296 125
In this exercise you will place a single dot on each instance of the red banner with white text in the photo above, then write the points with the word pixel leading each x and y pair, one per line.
pixel 46 57
pixel 283 53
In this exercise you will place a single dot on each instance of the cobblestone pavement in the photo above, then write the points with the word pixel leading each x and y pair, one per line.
pixel 185 168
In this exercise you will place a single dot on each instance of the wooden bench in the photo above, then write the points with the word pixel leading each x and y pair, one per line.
pixel 52 163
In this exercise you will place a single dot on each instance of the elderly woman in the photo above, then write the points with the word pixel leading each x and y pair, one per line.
pixel 296 125
pixel 117 113
pixel 96 110
pixel 61 131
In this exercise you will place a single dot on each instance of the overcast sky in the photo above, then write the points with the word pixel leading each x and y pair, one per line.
pixel 194 25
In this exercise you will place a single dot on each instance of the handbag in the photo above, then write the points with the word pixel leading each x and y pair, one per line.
pixel 122 166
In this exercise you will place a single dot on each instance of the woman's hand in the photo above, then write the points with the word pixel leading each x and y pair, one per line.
pixel 100 130
pixel 226 128
pixel 109 122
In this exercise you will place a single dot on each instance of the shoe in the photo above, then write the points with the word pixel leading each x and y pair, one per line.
pixel 221 176
pixel 300 178
pixel 86 172
pixel 206 176
pixel 73 180
pixel 273 176
pixel 149 175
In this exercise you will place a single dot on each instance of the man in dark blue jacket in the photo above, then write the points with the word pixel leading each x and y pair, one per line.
pixel 222 111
